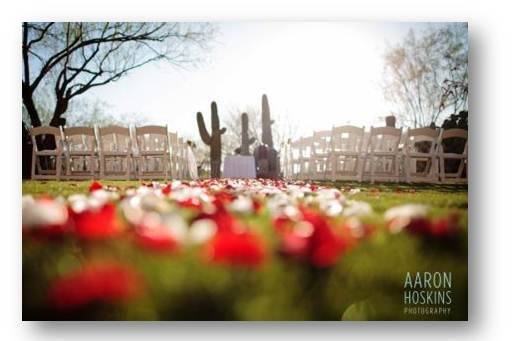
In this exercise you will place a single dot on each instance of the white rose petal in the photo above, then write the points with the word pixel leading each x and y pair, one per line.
pixel 357 208
pixel 177 226
pixel 43 212
pixel 201 230
pixel 241 204
pixel 406 211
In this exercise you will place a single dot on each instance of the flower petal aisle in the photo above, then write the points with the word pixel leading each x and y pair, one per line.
pixel 232 250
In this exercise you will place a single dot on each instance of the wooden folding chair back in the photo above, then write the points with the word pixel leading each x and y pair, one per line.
pixel 153 151
pixel 321 144
pixel 81 152
pixel 80 139
pixel 347 139
pixel 421 140
pixel 382 153
pixel 320 154
pixel 152 139
pixel 347 147
pixel 115 152
pixel 115 139
pixel 452 152
pixel 384 140
pixel 419 151
pixel 46 153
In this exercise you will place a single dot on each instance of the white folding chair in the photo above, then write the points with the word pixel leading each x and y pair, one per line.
pixel 43 160
pixel 152 145
pixel 382 154
pixel 347 157
pixel 115 152
pixel 320 154
pixel 453 155
pixel 419 153
pixel 81 152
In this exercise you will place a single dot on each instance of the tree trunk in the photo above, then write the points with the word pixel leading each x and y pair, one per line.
pixel 26 152
pixel 28 101
pixel 60 109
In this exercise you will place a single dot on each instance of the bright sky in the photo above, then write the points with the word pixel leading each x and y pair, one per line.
pixel 318 74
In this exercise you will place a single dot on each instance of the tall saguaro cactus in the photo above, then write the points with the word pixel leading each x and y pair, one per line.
pixel 267 158
pixel 213 139
pixel 246 141
pixel 266 123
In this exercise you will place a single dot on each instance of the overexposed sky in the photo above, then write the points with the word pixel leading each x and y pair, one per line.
pixel 318 74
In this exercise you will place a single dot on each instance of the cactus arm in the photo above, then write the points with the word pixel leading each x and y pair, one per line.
pixel 202 129
pixel 219 132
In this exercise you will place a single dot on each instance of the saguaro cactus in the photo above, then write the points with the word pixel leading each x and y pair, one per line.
pixel 266 123
pixel 246 141
pixel 213 139
pixel 267 159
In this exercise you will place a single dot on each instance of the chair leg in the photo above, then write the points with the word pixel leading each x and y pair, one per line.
pixel 333 161
pixel 361 165
pixel 68 165
pixel 165 164
pixel 407 169
pixel 441 169
pixel 33 168
pixel 435 169
pixel 397 168
pixel 102 167
pixel 460 169
pixel 430 174
pixel 93 166
pixel 128 167
pixel 466 163
pixel 58 166
pixel 372 169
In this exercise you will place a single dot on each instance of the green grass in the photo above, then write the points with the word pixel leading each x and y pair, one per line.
pixel 66 188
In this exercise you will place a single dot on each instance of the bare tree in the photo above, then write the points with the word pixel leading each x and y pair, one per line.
pixel 73 58
pixel 85 112
pixel 426 75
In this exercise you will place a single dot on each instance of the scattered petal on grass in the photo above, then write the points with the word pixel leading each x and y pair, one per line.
pixel 97 223
pixel 95 186
pixel 237 249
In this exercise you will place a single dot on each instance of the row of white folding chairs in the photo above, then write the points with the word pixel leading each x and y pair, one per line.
pixel 382 154
pixel 112 152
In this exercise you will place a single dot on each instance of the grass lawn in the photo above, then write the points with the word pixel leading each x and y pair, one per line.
pixel 366 283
